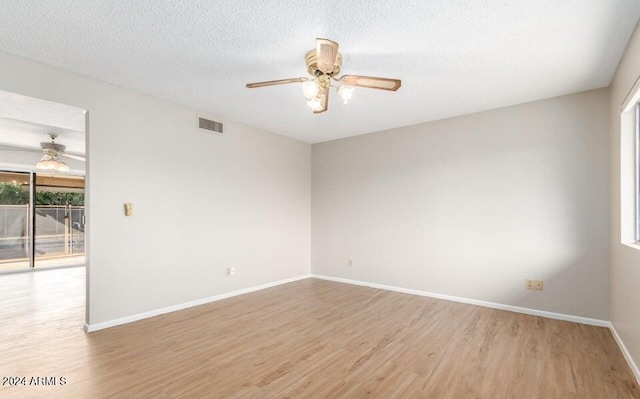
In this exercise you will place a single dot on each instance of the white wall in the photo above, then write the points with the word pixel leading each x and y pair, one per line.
pixel 625 259
pixel 201 202
pixel 474 205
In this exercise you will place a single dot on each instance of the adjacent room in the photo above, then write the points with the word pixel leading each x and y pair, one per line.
pixel 419 199
pixel 41 184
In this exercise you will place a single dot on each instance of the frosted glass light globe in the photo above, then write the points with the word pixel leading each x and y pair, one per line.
pixel 310 88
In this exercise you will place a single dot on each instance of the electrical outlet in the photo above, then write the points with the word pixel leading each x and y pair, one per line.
pixel 534 285
pixel 230 271
pixel 350 262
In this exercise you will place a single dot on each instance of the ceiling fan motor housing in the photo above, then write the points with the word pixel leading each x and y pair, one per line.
pixel 53 146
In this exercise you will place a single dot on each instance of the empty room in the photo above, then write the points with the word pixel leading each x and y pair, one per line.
pixel 417 199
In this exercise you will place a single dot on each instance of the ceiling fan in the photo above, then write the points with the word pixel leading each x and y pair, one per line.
pixel 52 152
pixel 323 63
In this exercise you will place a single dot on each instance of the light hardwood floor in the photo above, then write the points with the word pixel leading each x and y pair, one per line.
pixel 308 339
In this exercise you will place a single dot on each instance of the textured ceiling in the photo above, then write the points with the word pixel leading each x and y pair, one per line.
pixel 454 57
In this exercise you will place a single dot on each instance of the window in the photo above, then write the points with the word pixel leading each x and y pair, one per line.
pixel 637 179
pixel 630 168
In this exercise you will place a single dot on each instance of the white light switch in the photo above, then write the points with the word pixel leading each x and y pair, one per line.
pixel 128 209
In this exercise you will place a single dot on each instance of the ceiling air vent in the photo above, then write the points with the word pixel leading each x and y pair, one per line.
pixel 209 125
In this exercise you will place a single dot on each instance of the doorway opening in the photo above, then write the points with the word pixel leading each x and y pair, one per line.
pixel 42 184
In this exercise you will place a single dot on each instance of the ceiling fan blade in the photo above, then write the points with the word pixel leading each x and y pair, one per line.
pixel 324 97
pixel 275 82
pixel 9 148
pixel 71 156
pixel 326 54
pixel 372 82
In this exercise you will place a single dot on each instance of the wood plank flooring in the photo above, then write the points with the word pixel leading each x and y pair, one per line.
pixel 308 339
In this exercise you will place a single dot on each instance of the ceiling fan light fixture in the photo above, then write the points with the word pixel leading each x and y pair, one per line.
pixel 310 88
pixel 50 161
pixel 61 167
pixel 345 92
pixel 46 163
pixel 315 103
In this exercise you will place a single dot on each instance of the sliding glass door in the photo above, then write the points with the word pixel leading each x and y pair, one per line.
pixel 15 224
pixel 59 220
pixel 41 221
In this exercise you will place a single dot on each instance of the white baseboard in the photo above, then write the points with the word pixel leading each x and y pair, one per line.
pixel 493 305
pixel 625 353
pixel 169 309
